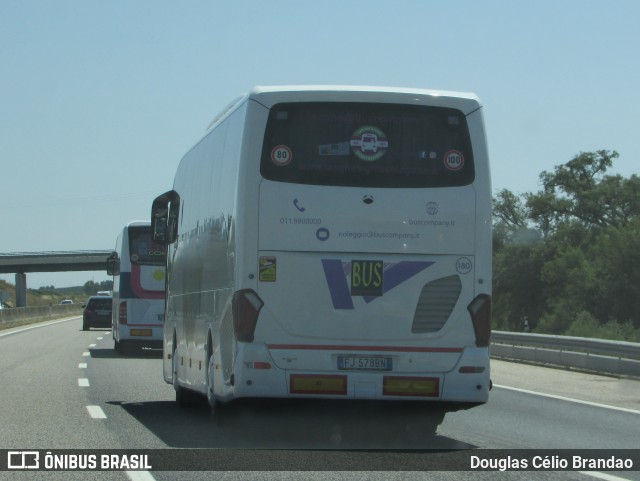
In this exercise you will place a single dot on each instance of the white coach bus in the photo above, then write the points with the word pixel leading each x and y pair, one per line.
pixel 138 269
pixel 331 242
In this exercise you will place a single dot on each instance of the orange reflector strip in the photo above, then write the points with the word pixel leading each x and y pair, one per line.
pixel 317 384
pixel 141 332
pixel 411 386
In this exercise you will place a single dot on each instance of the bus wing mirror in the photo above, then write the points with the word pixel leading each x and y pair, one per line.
pixel 164 218
pixel 113 264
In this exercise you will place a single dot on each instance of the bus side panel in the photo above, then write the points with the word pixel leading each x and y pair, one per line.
pixel 243 247
pixel 201 263
pixel 115 314
pixel 482 185
pixel 248 201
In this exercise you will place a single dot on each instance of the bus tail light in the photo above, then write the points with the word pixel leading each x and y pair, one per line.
pixel 122 313
pixel 258 365
pixel 480 310
pixel 246 307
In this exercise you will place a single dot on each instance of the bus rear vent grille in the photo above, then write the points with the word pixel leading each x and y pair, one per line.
pixel 436 302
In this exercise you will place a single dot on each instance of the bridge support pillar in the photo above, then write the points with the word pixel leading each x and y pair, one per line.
pixel 21 289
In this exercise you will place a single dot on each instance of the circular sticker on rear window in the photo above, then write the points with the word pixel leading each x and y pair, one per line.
pixel 454 160
pixel 369 143
pixel 281 155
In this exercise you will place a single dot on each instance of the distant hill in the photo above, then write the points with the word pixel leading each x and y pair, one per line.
pixel 43 296
pixel 76 290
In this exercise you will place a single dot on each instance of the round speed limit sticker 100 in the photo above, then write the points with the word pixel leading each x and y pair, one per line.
pixel 454 160
pixel 281 155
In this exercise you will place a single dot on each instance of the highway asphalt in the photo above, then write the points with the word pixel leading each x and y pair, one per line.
pixel 64 388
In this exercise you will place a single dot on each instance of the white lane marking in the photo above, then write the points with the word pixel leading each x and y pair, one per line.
pixel 83 382
pixel 96 412
pixel 82 365
pixel 605 476
pixel 38 326
pixel 140 476
pixel 562 398
pixel 99 338
pixel 91 345
pixel 86 354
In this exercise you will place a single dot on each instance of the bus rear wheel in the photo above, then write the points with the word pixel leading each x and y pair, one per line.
pixel 182 397
pixel 211 395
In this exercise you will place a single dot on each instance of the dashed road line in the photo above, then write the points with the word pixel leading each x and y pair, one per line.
pixel 82 365
pixel 83 382
pixel 96 412
pixel 86 354
pixel 140 476
pixel 91 345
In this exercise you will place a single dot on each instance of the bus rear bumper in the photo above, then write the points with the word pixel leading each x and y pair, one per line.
pixel 256 375
pixel 140 333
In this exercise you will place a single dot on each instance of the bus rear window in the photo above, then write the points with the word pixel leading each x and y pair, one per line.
pixel 367 145
pixel 143 250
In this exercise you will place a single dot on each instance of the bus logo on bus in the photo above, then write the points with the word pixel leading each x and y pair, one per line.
pixel 369 143
pixel 369 280
pixel 366 278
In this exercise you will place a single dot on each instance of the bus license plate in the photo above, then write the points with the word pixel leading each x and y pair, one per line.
pixel 364 363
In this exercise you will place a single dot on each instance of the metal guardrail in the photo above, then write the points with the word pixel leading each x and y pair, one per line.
pixel 622 349
pixel 598 355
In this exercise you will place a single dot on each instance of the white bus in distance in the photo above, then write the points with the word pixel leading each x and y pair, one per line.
pixel 138 269
pixel 304 263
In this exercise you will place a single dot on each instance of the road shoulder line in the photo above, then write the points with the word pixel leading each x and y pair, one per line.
pixel 562 398
pixel 36 326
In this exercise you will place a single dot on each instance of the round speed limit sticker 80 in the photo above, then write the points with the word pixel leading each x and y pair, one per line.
pixel 281 155
pixel 454 160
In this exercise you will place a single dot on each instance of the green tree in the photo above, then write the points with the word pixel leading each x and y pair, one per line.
pixel 509 218
pixel 91 288
pixel 616 257
pixel 584 325
pixel 517 286
pixel 568 280
pixel 580 191
pixel 566 257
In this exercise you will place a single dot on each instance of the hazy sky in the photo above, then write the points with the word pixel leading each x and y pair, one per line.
pixel 99 100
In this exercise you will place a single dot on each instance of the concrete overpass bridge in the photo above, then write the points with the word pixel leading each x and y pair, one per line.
pixel 20 263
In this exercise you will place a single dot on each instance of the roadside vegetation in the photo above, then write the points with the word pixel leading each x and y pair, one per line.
pixel 566 257
pixel 50 296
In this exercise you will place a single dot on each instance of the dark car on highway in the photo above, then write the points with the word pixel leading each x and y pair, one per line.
pixel 97 312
